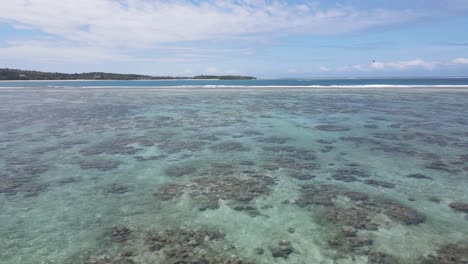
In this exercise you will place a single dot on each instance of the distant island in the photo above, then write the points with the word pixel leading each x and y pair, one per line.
pixel 23 75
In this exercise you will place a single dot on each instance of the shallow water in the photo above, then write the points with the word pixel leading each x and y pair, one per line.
pixel 219 176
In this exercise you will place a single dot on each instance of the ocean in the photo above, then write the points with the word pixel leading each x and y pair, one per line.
pixel 241 175
pixel 323 82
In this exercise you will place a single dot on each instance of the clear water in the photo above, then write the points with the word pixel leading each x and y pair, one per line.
pixel 266 176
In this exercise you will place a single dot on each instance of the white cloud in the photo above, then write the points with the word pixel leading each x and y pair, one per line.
pixel 59 52
pixel 460 61
pixel 391 65
pixel 143 23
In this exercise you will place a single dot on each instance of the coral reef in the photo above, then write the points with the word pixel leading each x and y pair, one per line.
pixel 207 191
pixel 190 246
pixel 449 254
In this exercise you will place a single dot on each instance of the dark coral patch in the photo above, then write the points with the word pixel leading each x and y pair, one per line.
pixel 179 146
pixel 380 258
pixel 418 176
pixel 120 233
pixel 440 166
pixel 117 189
pixel 282 249
pixel 190 246
pixel 378 183
pixel 403 214
pixel 229 146
pixel 108 260
pixel 357 218
pixel 169 191
pixel 112 147
pixel 348 241
pixel 150 158
pixel 312 194
pixel 458 206
pixel 302 176
pixel 180 170
pixel 350 175
pixel 357 196
pixel 101 165
pixel 331 128
pixel 274 140
pixel 449 254
pixel 208 191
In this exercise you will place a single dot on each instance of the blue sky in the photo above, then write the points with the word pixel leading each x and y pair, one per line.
pixel 265 38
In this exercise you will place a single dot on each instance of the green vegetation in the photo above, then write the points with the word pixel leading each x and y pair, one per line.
pixel 14 74
pixel 224 77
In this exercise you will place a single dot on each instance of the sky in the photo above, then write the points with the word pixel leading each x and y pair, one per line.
pixel 263 38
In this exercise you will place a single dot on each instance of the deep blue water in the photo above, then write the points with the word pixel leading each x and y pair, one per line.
pixel 261 82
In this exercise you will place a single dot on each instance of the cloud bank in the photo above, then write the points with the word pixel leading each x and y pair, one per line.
pixel 418 64
pixel 143 23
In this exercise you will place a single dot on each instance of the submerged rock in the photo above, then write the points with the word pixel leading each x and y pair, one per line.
pixel 403 214
pixel 344 178
pixel 458 206
pixel 302 176
pixel 377 183
pixel 28 170
pixel 102 165
pixel 248 209
pixel 169 191
pixel 380 258
pixel 120 146
pixel 109 260
pixel 208 191
pixel 434 199
pixel 117 189
pixel 449 254
pixel 270 167
pixel 282 249
pixel 349 175
pixel 357 196
pixel 10 185
pixel 229 146
pixel 347 241
pixel 418 176
pixel 150 158
pixel 332 128
pixel 312 194
pixel 179 146
pixel 180 170
pixel 352 217
pixel 190 246
pixel 68 180
pixel 440 165
pixel 121 233
pixel 274 140
pixel 259 251
pixel 181 238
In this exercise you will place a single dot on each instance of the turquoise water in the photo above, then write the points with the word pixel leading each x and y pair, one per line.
pixel 233 176
pixel 346 82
